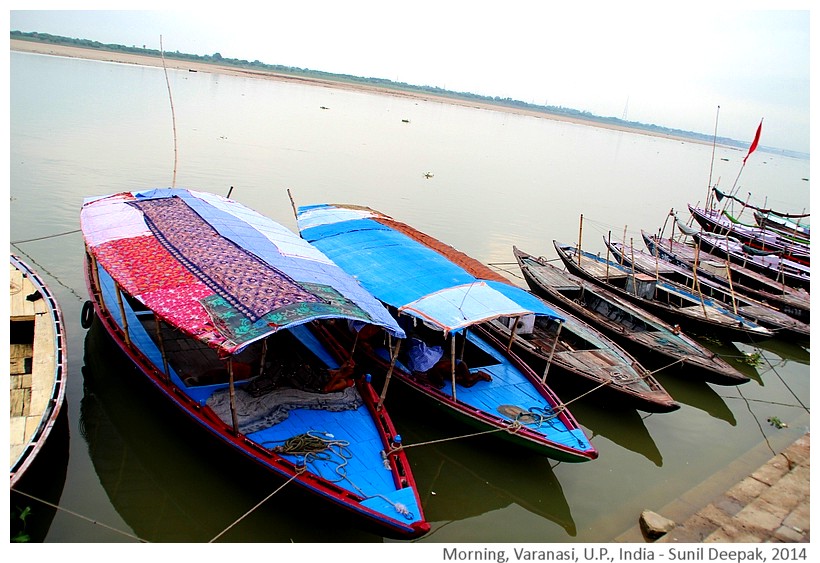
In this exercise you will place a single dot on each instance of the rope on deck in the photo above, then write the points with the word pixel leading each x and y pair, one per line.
pixel 310 446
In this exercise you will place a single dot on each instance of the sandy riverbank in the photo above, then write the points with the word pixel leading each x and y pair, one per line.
pixel 128 58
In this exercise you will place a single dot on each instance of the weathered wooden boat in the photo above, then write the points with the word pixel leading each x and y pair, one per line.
pixel 576 358
pixel 783 270
pixel 755 311
pixel 788 223
pixel 226 313
pixel 644 334
pixel 783 224
pixel 767 232
pixel 792 301
pixel 38 366
pixel 672 302
pixel 717 222
pixel 435 292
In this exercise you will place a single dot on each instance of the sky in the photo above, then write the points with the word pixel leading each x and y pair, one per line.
pixel 719 66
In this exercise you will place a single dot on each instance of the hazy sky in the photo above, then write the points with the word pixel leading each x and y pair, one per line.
pixel 647 61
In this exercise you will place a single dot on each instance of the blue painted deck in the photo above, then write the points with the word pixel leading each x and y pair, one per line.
pixel 510 387
pixel 357 466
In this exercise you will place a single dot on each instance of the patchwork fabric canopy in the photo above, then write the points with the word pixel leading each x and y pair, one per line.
pixel 413 276
pixel 218 271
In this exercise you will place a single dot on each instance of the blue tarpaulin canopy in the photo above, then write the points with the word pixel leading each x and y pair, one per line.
pixel 409 275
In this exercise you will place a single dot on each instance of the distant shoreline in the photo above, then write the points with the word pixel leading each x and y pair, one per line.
pixel 144 60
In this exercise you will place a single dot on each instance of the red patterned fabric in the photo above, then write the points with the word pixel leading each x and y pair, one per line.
pixel 156 269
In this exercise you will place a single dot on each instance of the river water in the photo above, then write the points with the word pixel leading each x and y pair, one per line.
pixel 479 180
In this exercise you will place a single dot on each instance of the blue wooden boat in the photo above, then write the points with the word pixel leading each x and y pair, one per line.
pixel 226 313
pixel 443 298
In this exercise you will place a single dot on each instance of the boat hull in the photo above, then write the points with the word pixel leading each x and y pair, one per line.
pixel 793 302
pixel 39 366
pixel 285 468
pixel 675 307
pixel 657 342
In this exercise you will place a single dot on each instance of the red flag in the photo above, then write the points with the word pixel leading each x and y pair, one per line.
pixel 754 143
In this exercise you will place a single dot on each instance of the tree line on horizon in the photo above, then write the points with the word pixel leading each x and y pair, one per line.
pixel 257 65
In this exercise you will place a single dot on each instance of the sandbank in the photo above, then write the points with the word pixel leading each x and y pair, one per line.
pixel 193 66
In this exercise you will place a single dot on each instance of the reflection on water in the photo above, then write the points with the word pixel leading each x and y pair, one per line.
pixel 624 427
pixel 36 495
pixel 498 180
pixel 464 479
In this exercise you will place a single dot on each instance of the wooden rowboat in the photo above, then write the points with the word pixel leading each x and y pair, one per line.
pixel 764 315
pixel 38 368
pixel 645 335
pixel 762 240
pixel 672 302
pixel 792 301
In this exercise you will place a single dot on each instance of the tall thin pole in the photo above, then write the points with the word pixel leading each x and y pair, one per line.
pixel 173 117
pixel 580 236
pixel 712 164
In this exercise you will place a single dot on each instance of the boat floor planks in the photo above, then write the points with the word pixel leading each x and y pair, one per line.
pixel 37 365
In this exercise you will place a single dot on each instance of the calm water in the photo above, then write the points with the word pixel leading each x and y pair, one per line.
pixel 84 128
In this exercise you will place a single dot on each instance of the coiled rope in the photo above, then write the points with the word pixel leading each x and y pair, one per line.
pixel 314 447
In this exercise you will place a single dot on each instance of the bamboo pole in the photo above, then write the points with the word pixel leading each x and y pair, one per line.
pixel 580 236
pixel 712 163
pixel 512 332
pixel 95 275
pixel 635 279
pixel 393 357
pixel 731 286
pixel 623 241
pixel 122 314
pixel 608 241
pixel 173 115
pixel 292 205
pixel 232 392
pixel 453 363
pixel 552 353
pixel 158 330
pixel 694 268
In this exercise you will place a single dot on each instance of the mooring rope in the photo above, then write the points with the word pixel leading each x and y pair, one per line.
pixel 46 237
pixel 299 471
pixel 87 519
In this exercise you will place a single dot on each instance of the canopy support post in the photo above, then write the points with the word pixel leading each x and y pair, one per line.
pixel 393 357
pixel 513 324
pixel 453 363
pixel 232 391
pixel 122 314
pixel 552 352
pixel 158 330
